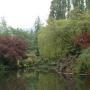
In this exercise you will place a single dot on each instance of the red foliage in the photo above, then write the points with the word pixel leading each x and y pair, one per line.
pixel 88 70
pixel 12 48
pixel 82 40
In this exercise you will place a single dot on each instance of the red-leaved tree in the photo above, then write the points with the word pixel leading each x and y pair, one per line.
pixel 82 40
pixel 12 49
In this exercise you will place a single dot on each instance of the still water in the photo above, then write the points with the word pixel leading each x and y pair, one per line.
pixel 34 80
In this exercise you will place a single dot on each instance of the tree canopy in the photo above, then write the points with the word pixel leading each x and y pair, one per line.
pixel 12 49
pixel 60 9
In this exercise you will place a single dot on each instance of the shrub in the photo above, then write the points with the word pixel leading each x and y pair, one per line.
pixel 82 40
pixel 83 62
pixel 11 49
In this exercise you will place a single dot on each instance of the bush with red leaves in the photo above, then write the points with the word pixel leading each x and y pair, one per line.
pixel 12 49
pixel 82 40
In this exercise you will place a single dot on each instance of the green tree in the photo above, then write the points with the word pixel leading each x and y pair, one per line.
pixel 57 39
pixel 37 26
pixel 52 40
pixel 3 27
pixel 88 5
pixel 80 4
pixel 82 64
pixel 58 9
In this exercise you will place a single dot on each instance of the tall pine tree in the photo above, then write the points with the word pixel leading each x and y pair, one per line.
pixel 37 28
pixel 60 8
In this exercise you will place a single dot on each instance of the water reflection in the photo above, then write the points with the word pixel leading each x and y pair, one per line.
pixel 42 81
pixel 10 81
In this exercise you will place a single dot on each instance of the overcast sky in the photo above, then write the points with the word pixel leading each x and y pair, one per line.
pixel 22 13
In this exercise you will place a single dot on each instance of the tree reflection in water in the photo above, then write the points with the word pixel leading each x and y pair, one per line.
pixel 10 81
pixel 42 81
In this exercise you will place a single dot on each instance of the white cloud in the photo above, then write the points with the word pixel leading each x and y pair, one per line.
pixel 22 13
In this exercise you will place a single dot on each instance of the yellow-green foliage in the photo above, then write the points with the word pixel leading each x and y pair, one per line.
pixel 52 39
pixel 57 38
pixel 83 62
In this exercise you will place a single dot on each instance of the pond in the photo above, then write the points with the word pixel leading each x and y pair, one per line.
pixel 35 80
